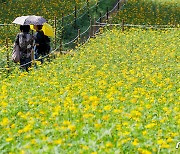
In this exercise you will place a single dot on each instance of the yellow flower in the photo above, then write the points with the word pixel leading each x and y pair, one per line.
pixel 118 127
pixel 88 115
pixel 117 110
pixel 125 123
pixel 165 145
pixel 134 100
pixel 109 145
pixel 4 122
pixel 27 128
pixel 107 107
pixel 4 104
pixel 97 125
pixel 144 133
pixel 13 126
pixel 9 139
pixel 143 151
pixel 33 141
pixel 160 141
pixel 66 123
pixel 105 117
pixel 135 142
pixel 151 125
pixel 169 140
pixel 72 127
pixel 59 141
pixel 85 147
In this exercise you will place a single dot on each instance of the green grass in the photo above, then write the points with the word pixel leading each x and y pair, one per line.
pixel 116 94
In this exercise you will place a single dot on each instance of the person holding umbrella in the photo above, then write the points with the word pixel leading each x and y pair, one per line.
pixel 41 43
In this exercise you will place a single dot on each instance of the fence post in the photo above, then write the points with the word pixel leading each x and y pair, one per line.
pixel 123 25
pixel 100 18
pixel 100 21
pixel 62 26
pixel 107 17
pixel 79 37
pixel 97 4
pixel 118 5
pixel 75 17
pixel 61 46
pixel 7 55
pixel 94 27
pixel 55 32
pixel 32 57
pixel 88 8
pixel 90 30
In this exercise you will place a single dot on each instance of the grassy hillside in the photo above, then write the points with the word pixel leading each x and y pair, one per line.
pixel 160 12
pixel 117 94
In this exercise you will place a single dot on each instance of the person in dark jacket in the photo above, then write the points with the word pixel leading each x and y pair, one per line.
pixel 41 43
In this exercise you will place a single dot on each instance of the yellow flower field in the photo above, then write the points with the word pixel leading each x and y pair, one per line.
pixel 119 93
pixel 150 12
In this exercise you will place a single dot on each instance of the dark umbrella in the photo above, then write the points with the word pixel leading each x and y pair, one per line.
pixel 30 20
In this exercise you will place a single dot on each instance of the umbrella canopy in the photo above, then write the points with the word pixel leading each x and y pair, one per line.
pixel 20 20
pixel 29 20
pixel 47 29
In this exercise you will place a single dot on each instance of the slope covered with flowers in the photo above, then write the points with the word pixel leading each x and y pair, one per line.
pixel 150 12
pixel 116 94
pixel 45 8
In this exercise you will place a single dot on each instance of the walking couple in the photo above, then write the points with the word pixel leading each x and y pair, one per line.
pixel 39 44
